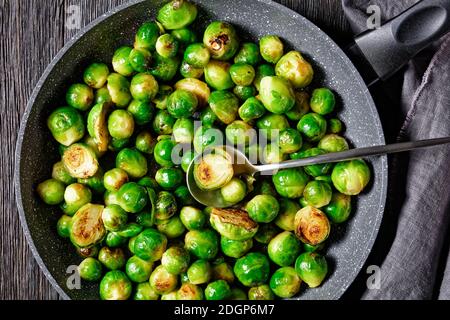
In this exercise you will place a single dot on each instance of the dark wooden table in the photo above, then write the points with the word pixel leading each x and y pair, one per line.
pixel 33 31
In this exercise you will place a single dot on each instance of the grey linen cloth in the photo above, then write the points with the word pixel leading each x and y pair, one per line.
pixel 416 260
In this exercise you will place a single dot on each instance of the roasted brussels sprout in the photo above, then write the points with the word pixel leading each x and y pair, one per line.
pixel 263 208
pixel 199 272
pixel 217 75
pixel 301 106
pixel 165 69
pixel 141 111
pixel 138 270
pixel 240 133
pixel 144 291
pixel 293 67
pixel 185 36
pixel 63 226
pixel 182 103
pixel 221 39
pixel 163 152
pixel 273 154
pixel 166 205
pixel 204 244
pixel 66 125
pixel 283 249
pixel 244 92
pixel 339 208
pixel 206 137
pixel 121 62
pixel 225 105
pixel 113 240
pixel 251 109
pixel 115 285
pixel 95 75
pixel 234 191
pixel 87 226
pixel 161 97
pixel 317 193
pixel 140 59
pixel 80 96
pixel 132 162
pixel 112 258
pixel 88 252
pixel 172 228
pixel 147 35
pixel 290 183
pixel 242 74
pixel 192 218
pixel 286 216
pixel 289 141
pixel 177 14
pixel 150 245
pixel 248 53
pixel 98 129
pixel 167 45
pixel 351 177
pixel 214 171
pixel 163 281
pixel 51 191
pixel 285 282
pixel 271 124
pixel 120 124
pixel 217 290
pixel 311 225
pixel 189 291
pixel 132 197
pixel 163 122
pixel 130 230
pixel 183 196
pixel 322 101
pixel 266 232
pixel 276 94
pixel 80 161
pixel 76 195
pixel 262 292
pixel 197 87
pixel 252 269
pixel 60 173
pixel 186 159
pixel 313 126
pixel 189 71
pixel 263 70
pixel 197 55
pixel 183 131
pixel 114 217
pixel 169 178
pixel 145 143
pixel 118 87
pixel 314 170
pixel 235 248
pixel 102 95
pixel 144 87
pixel 90 269
pixel 312 268
pixel 95 183
pixel 235 224
pixel 333 143
pixel 222 271
pixel 335 126
pixel 114 179
pixel 175 260
pixel 271 48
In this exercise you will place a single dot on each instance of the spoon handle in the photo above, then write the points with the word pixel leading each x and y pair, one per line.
pixel 354 154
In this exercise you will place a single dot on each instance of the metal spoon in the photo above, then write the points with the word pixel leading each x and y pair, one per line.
pixel 241 165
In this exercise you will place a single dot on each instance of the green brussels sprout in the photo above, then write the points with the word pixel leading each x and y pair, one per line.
pixel 312 268
pixel 165 69
pixel 311 225
pixel 237 294
pixel 283 249
pixel 276 94
pixel 186 159
pixel 266 187
pixel 115 285
pixel 289 141
pixel 140 59
pixel 146 36
pixel 182 104
pixel 144 291
pixel 192 218
pixel 121 62
pixel 166 205
pixel 242 74
pixel 163 122
pixel 90 269
pixel 169 296
pixel 150 245
pixel 293 67
pixel 234 191
pixel 322 101
pixel 217 75
pixel 142 111
pixel 197 55
pixel 339 208
pixel 271 124
pixel 132 162
pixel 118 87
pixel 114 217
pixel 285 282
pixel 76 195
pixel 131 242
pixel 222 271
pixel 163 152
pixel 132 197
pixel 98 128
pixel 102 95
pixel 235 248
pixel 263 70
pixel 144 87
pixel 189 291
pixel 51 191
pixel 161 97
pixel 66 125
pixel 214 171
pixel 169 178
pixel 244 92
pixel 112 258
pixel 145 142
pixel 252 269
pixel 235 224
pixel 95 75
pixel 302 202
pixel 120 124
pixel 301 106
pixel 314 170
pixel 167 45
pixel 95 183
pixel 113 240
pixel 221 39
pixel 189 71
pixel 63 226
pixel 172 228
pixel 177 14
pixel 204 244
pixel 138 270
pixel 80 96
pixel 145 219
pixel 263 208
pixel 266 232
pixel 317 193
pixel 183 131
pixel 130 230
pixel 148 182
pixel 110 197
pixel 351 177
pixel 183 196
pixel 286 216
pixel 311 248
pixel 163 281
pixel 290 183
pixel 60 173
pixel 87 252
pixel 262 292
pixel 271 48
pixel 118 144
pixel 199 272
pixel 206 137
pixel 184 35
pixel 80 161
pixel 248 53
pixel 333 143
pixel 197 87
pixel 217 290
pixel 251 109
pixel 240 133
pixel 273 154
pixel 175 260
pixel 335 126
pixel 114 179
pixel 313 126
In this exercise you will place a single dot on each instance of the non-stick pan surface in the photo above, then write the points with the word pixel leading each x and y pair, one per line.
pixel 36 153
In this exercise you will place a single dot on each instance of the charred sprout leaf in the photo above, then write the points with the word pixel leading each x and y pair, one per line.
pixel 234 224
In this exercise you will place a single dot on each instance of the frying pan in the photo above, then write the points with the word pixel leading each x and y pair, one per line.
pixel 384 49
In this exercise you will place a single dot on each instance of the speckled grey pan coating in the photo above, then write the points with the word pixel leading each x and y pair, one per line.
pixel 35 152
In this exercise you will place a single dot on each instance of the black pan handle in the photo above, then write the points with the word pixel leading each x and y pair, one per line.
pixel 390 47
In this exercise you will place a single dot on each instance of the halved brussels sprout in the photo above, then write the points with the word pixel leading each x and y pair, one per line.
pixel 183 131
pixel 285 282
pixel 286 216
pixel 217 75
pixel 192 218
pixel 335 126
pixel 317 193
pixel 339 208
pixel 172 228
pixel 162 281
pixel 163 122
pixel 140 59
pixel 114 217
pixel 290 183
pixel 175 260
pixel 51 191
pixel 177 14
pixel 132 197
pixel 118 87
pixel 271 48
pixel 112 258
pixel 234 191
pixel 283 249
pixel 217 290
pixel 90 269
pixel 333 143
pixel 167 45
pixel 242 74
pixel 301 106
pixel 204 244
pixel 312 268
pixel 66 125
pixel 311 225
pixel 351 177
pixel 199 272
pixel 147 35
pixel 63 226
pixel 263 208
pixel 197 87
pixel 132 162
pixel 262 292
pixel 165 69
pixel 263 70
pixel 87 226
pixel 221 39
pixel 214 171
pixel 313 126
pixel 197 55
pixel 121 62
pixel 150 245
pixel 251 109
pixel 97 126
pixel 235 224
pixel 189 291
pixel 293 67
pixel 80 96
pixel 95 75
pixel 115 285
pixel 114 179
pixel 244 92
pixel 144 291
pixel 76 195
pixel 169 178
pixel 165 206
pixel 235 248
pixel 80 161
pixel 138 270
pixel 163 152
pixel 276 94
pixel 248 53
pixel 144 87
pixel 252 269
pixel 182 103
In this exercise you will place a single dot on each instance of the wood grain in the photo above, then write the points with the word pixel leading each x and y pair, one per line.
pixel 33 31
